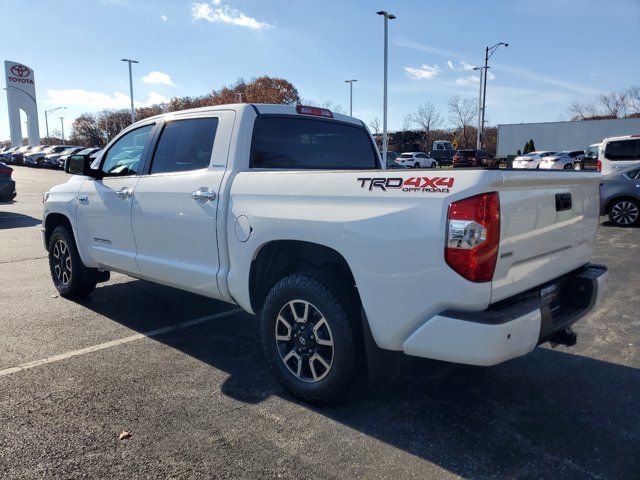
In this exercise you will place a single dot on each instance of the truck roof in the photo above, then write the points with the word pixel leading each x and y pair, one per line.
pixel 259 108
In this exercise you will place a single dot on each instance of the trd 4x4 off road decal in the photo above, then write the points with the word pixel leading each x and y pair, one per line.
pixel 411 184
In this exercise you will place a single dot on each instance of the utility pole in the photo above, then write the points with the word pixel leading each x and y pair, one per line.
pixel 350 82
pixel 46 120
pixel 387 16
pixel 62 124
pixel 129 61
pixel 478 139
pixel 239 94
pixel 488 52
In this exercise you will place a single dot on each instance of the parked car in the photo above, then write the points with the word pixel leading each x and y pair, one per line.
pixel 531 160
pixel 473 158
pixel 51 159
pixel 5 156
pixel 86 151
pixel 7 184
pixel 560 160
pixel 620 196
pixel 392 164
pixel 442 151
pixel 18 154
pixel 35 158
pixel 618 152
pixel 416 160
pixel 285 211
pixel 589 159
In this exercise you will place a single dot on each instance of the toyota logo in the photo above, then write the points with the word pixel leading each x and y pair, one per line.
pixel 20 71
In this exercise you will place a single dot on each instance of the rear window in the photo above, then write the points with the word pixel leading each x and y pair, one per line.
pixel 623 150
pixel 305 143
pixel 406 155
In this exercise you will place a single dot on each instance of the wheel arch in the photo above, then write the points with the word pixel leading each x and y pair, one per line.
pixel 278 258
pixel 54 220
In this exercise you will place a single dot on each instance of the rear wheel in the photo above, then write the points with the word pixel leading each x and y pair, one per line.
pixel 433 165
pixel 70 277
pixel 416 165
pixel 625 212
pixel 308 339
pixel 568 166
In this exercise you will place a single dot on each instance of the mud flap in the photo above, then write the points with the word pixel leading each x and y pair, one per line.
pixel 382 365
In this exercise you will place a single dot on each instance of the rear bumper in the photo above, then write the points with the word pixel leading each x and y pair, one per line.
pixel 7 190
pixel 511 327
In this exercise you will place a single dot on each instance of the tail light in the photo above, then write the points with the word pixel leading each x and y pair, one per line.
pixel 473 236
pixel 318 112
pixel 599 166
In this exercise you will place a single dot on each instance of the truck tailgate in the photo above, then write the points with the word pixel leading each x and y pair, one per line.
pixel 548 225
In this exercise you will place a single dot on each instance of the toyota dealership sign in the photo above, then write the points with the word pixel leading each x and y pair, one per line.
pixel 21 95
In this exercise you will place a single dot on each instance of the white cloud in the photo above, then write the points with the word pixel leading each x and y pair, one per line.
pixel 77 97
pixel 470 80
pixel 225 14
pixel 156 77
pixel 465 67
pixel 163 18
pixel 424 72
pixel 450 64
pixel 491 76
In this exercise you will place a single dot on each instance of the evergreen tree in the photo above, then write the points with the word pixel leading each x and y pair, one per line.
pixel 518 153
pixel 532 146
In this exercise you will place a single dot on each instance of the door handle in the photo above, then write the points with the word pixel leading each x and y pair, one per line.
pixel 124 193
pixel 83 198
pixel 203 194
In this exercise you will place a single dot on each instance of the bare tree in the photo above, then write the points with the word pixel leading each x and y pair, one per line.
pixel 462 113
pixel 407 122
pixel 613 104
pixel 583 111
pixel 428 118
pixel 375 125
pixel 633 100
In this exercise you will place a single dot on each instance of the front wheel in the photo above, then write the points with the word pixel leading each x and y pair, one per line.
pixel 625 212
pixel 417 165
pixel 568 166
pixel 577 166
pixel 70 277
pixel 308 340
pixel 433 165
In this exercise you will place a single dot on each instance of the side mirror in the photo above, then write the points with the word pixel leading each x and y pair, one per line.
pixel 80 165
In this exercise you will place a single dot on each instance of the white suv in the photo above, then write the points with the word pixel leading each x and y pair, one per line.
pixel 416 160
pixel 618 152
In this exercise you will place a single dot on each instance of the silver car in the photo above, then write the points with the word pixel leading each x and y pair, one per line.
pixel 620 196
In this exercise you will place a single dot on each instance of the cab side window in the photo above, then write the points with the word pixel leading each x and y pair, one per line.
pixel 185 145
pixel 123 158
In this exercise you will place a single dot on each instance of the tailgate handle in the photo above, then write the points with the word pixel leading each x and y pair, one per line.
pixel 563 202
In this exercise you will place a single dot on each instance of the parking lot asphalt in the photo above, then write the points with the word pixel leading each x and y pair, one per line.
pixel 199 401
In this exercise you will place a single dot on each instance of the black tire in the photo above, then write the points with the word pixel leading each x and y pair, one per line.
pixel 416 165
pixel 568 166
pixel 70 277
pixel 625 212
pixel 433 165
pixel 334 381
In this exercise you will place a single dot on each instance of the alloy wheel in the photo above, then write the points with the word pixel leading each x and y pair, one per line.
pixel 625 213
pixel 304 341
pixel 62 262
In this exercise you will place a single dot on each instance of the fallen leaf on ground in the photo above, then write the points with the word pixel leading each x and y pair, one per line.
pixel 124 435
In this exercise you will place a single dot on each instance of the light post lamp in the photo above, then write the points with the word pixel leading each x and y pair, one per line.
pixel 488 52
pixel 46 119
pixel 62 125
pixel 350 82
pixel 387 16
pixel 129 61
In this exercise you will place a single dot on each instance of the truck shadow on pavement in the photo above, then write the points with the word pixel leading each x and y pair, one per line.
pixel 548 414
pixel 17 220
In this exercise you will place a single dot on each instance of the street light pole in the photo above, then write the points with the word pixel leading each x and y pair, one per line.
pixel 387 16
pixel 129 61
pixel 478 142
pixel 350 82
pixel 46 120
pixel 488 52
pixel 62 124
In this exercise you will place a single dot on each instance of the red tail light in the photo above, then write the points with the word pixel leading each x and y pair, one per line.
pixel 473 236
pixel 599 166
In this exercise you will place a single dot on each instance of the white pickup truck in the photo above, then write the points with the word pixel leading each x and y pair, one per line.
pixel 286 212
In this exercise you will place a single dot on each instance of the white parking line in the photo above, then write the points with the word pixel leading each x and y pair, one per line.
pixel 115 343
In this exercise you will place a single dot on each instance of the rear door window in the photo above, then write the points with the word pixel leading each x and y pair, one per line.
pixel 623 150
pixel 185 145
pixel 289 142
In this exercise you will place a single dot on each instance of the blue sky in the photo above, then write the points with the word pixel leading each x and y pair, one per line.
pixel 560 50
